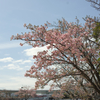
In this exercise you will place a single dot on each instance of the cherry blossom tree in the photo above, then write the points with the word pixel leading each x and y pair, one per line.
pixel 70 61
pixel 25 92
pixel 95 4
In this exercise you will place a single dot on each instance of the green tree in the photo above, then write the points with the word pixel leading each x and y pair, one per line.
pixel 96 31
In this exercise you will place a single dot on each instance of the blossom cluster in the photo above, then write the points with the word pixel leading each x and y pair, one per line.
pixel 73 53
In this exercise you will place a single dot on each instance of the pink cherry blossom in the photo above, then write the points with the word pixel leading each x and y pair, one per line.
pixel 70 61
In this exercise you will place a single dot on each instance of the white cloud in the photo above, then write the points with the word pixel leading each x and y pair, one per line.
pixel 18 61
pixel 26 61
pixel 14 64
pixel 9 45
pixel 7 59
pixel 33 51
pixel 14 67
pixel 21 61
pixel 7 54
pixel 15 83
pixel 27 66
pixel 1 68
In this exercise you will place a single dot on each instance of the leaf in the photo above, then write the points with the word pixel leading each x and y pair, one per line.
pixel 96 31
pixel 98 60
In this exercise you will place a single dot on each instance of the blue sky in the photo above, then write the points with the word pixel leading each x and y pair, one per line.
pixel 14 59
